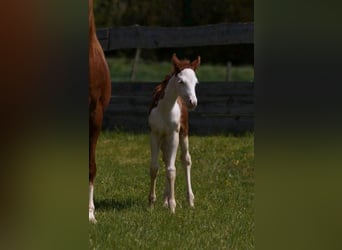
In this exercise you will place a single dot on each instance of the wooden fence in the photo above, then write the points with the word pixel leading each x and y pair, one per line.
pixel 222 107
pixel 162 37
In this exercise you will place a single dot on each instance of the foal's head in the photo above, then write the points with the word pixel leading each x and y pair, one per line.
pixel 186 79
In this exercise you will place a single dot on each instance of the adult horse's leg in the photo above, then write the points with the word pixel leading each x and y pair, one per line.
pixel 155 147
pixel 95 123
pixel 186 162
pixel 172 141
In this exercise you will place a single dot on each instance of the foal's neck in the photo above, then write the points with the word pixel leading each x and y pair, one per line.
pixel 170 95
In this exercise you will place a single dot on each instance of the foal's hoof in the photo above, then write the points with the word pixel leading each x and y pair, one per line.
pixel 192 205
pixel 151 206
pixel 191 199
pixel 172 205
pixel 166 204
pixel 152 199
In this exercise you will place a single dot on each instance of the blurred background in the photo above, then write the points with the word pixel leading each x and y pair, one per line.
pixel 178 13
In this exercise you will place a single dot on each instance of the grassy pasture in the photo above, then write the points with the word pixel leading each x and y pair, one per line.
pixel 223 184
pixel 155 71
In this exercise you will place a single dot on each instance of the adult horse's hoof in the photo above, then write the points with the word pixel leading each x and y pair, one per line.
pixel 92 217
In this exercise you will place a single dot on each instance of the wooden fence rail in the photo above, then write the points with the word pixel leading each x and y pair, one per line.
pixel 166 37
pixel 222 107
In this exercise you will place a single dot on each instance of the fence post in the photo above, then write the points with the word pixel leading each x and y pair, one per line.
pixel 229 71
pixel 135 64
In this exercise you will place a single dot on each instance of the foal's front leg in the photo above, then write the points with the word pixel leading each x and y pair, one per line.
pixel 186 162
pixel 171 146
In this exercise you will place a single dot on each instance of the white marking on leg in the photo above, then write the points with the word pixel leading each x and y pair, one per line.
pixel 171 175
pixel 172 144
pixel 186 162
pixel 91 204
pixel 166 193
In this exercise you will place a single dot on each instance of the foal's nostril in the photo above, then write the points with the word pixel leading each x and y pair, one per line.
pixel 192 103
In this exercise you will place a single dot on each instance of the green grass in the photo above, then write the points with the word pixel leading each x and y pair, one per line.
pixel 222 181
pixel 120 69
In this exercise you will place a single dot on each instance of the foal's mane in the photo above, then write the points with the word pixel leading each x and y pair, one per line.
pixel 159 90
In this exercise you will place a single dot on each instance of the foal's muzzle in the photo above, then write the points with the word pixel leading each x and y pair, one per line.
pixel 191 102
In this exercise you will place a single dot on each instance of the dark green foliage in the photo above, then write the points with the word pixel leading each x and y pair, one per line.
pixel 113 13
pixel 171 13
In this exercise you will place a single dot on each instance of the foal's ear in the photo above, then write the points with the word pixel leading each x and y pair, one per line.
pixel 176 61
pixel 195 63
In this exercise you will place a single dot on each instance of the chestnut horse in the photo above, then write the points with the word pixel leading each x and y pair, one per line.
pixel 99 97
pixel 168 121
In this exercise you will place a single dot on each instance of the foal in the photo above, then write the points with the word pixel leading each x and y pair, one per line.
pixel 168 121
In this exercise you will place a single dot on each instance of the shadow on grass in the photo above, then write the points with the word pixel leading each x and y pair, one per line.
pixel 112 204
pixel 144 130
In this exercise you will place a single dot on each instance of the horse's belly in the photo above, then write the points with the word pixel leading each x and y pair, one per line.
pixel 164 123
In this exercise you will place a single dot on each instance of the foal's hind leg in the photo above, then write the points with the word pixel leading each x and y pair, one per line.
pixel 155 147
pixel 186 162
pixel 167 187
